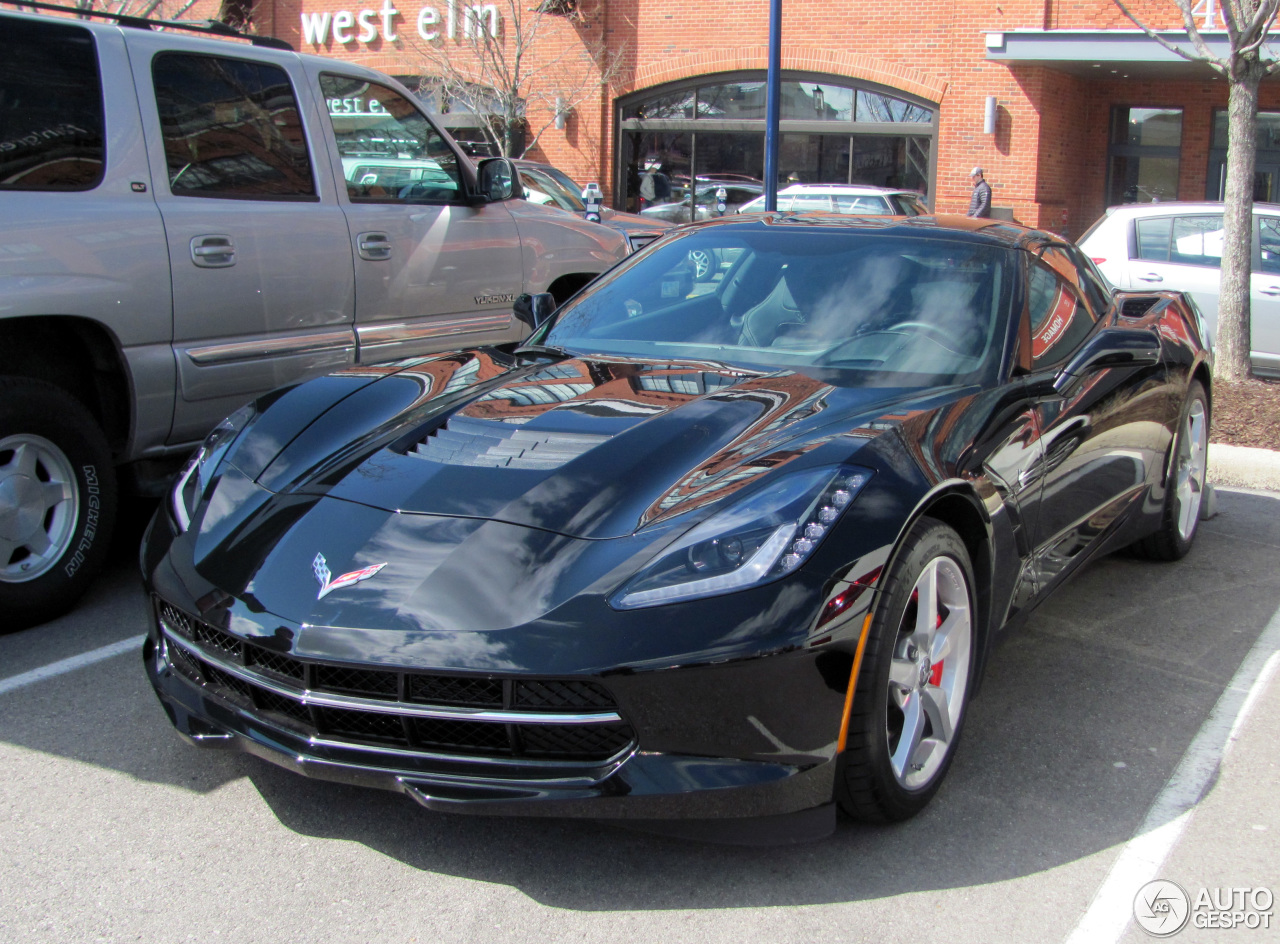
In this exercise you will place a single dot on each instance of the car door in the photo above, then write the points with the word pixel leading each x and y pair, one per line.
pixel 263 287
pixel 432 272
pixel 1265 296
pixel 1179 253
pixel 1104 436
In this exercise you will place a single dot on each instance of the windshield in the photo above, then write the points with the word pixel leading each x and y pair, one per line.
pixel 896 310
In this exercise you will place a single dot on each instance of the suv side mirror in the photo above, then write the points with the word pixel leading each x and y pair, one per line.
pixel 498 180
pixel 533 310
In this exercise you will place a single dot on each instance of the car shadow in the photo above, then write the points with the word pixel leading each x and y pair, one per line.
pixel 1084 714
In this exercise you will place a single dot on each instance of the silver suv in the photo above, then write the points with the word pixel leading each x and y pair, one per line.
pixel 190 222
pixel 1147 246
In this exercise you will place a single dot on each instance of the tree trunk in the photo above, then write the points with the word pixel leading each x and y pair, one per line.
pixel 1231 358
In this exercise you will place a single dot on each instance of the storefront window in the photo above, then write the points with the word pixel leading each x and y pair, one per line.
pixel 1147 127
pixel 1144 156
pixel 1268 129
pixel 678 141
pixel 873 106
pixel 1266 176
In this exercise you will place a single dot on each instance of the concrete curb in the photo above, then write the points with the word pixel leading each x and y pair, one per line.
pixel 1244 466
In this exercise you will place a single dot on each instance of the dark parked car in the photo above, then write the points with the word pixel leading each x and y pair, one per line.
pixel 682 555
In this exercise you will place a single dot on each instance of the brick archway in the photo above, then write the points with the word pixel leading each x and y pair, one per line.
pixel 755 58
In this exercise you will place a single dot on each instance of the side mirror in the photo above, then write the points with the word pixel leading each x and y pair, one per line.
pixel 498 180
pixel 533 310
pixel 1110 347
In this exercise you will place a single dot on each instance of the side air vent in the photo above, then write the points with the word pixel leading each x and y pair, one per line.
pixel 465 441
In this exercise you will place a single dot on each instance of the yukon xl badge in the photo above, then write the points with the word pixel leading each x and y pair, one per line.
pixel 495 299
pixel 321 568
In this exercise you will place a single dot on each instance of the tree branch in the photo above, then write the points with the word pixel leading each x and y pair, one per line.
pixel 1205 55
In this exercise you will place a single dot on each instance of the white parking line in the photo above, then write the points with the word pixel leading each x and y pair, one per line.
pixel 1144 855
pixel 62 666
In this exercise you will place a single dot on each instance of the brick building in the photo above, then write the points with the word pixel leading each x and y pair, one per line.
pixel 1087 110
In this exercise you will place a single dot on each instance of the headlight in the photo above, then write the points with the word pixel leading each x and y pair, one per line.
pixel 767 535
pixel 203 463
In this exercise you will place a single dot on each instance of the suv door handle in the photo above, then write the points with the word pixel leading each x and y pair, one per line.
pixel 1272 290
pixel 1151 277
pixel 213 252
pixel 375 247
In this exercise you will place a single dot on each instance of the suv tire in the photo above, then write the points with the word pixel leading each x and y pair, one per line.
pixel 57 501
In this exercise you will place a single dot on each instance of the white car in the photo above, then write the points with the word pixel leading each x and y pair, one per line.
pixel 1179 246
pixel 854 199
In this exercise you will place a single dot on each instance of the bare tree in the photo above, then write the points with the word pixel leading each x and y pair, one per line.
pixel 1248 23
pixel 507 63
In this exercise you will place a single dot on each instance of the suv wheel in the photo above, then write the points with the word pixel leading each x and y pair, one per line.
pixel 57 501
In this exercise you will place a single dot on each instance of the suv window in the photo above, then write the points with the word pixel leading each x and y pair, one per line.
pixel 1059 320
pixel 909 205
pixel 231 128
pixel 1185 240
pixel 51 127
pixel 390 152
pixel 1269 236
pixel 862 206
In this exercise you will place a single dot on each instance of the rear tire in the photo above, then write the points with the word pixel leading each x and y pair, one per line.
pixel 57 501
pixel 917 671
pixel 1185 484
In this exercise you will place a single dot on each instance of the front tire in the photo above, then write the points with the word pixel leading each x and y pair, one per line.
pixel 917 669
pixel 57 501
pixel 1185 484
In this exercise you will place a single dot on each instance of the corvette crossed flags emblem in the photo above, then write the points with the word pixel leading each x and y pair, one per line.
pixel 321 569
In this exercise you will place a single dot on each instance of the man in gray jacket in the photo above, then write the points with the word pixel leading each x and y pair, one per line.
pixel 980 202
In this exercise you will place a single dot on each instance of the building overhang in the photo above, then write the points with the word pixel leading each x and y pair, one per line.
pixel 1105 54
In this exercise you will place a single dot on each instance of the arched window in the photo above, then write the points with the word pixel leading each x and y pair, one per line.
pixel 680 144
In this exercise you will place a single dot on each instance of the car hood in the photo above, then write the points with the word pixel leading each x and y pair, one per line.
pixel 587 447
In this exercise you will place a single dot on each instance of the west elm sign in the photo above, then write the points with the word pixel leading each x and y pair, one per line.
pixel 476 19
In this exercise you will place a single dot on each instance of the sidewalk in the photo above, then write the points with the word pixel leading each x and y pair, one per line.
pixel 1244 467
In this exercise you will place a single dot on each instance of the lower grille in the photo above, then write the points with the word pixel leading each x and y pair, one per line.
pixel 193 647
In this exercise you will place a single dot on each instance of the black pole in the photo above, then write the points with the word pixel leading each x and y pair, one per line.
pixel 772 106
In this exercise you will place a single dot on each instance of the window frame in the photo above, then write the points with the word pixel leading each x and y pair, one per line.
pixel 69 28
pixel 308 150
pixel 462 180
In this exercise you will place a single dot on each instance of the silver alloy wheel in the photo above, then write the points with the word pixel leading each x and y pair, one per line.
pixel 1192 461
pixel 929 673
pixel 701 260
pixel 39 506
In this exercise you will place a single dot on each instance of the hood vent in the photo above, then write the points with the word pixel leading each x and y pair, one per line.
pixel 466 441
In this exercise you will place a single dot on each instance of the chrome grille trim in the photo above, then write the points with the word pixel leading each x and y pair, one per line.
pixel 309 698
pixel 524 764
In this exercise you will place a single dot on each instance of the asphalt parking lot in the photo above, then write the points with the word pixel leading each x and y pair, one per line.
pixel 112 829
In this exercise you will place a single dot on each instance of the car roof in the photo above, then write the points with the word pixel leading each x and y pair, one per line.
pixel 1180 206
pixel 852 189
pixel 946 226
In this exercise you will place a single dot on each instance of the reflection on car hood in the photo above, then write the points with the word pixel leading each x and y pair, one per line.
pixel 589 447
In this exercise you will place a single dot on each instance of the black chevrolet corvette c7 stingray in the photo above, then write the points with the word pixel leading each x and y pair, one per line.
pixel 695 550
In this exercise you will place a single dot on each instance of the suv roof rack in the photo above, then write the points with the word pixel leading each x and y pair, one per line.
pixel 208 27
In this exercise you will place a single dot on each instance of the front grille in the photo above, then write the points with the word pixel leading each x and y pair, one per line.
pixel 281 675
pixel 602 740
pixel 453 690
pixel 558 695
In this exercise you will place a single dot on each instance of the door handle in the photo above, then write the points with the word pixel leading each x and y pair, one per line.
pixel 213 251
pixel 375 247
pixel 1151 277
pixel 1272 290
